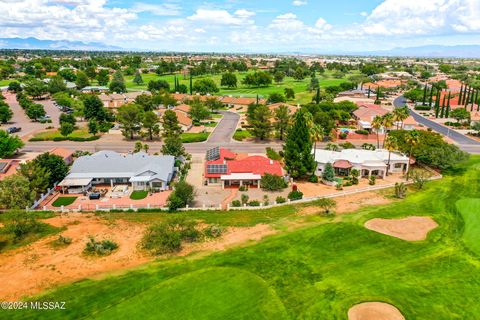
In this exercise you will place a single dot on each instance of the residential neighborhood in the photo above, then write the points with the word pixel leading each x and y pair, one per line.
pixel 240 160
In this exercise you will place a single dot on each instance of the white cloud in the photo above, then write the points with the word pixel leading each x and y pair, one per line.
pixel 222 17
pixel 163 9
pixel 85 20
pixel 321 24
pixel 299 3
pixel 423 17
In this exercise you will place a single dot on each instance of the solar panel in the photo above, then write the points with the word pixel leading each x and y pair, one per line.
pixel 213 154
pixel 217 168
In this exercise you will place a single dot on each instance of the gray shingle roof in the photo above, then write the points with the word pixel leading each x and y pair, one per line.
pixel 110 164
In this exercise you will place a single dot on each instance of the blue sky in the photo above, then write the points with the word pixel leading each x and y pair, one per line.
pixel 321 26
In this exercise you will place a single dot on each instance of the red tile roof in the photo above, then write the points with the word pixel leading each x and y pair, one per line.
pixel 253 164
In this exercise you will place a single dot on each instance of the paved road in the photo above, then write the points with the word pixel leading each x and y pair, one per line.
pixel 225 130
pixel 465 143
pixel 21 120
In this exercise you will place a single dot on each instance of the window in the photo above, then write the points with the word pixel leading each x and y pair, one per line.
pixel 398 165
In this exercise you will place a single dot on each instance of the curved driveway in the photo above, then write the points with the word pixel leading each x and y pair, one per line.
pixel 225 129
pixel 465 143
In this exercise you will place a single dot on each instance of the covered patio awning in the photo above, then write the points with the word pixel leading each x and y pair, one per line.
pixel 342 164
pixel 240 176
pixel 75 182
pixel 140 179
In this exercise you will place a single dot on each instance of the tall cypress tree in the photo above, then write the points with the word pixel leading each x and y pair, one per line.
pixel 460 95
pixel 447 112
pixel 437 104
pixel 442 113
pixel 467 98
pixel 317 96
pixel 299 160
pixel 191 84
pixel 431 98
pixel 369 92
pixel 476 101
pixel 424 101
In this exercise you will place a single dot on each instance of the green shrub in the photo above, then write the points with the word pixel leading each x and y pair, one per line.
pixel 242 188
pixel 213 231
pixel 422 108
pixel 61 241
pixel 372 180
pixel 280 199
pixel 295 195
pixel 273 182
pixel 244 197
pixel 343 136
pixel 254 203
pixel 272 154
pixel 236 203
pixel 21 225
pixel 99 248
pixel 364 132
pixel 313 179
pixel 167 237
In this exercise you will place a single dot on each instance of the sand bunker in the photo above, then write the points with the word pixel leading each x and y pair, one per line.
pixel 374 311
pixel 410 229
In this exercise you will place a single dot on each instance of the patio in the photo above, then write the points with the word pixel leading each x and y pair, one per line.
pixel 115 198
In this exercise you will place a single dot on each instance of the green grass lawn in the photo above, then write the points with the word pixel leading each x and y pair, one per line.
pixel 64 201
pixel 4 83
pixel 138 195
pixel 300 87
pixel 52 134
pixel 316 272
pixel 194 137
pixel 241 135
pixel 470 211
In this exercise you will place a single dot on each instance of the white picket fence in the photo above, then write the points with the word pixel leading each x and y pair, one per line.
pixel 43 196
pixel 131 207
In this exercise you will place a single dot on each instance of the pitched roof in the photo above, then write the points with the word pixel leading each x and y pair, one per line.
pixel 254 164
pixel 110 164
pixel 367 112
pixel 183 107
pixel 62 152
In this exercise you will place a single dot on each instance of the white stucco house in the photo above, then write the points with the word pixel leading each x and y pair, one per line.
pixel 139 170
pixel 367 162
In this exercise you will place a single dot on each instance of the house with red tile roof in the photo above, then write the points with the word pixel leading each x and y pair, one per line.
pixel 366 113
pixel 229 169
pixel 8 167
pixel 67 155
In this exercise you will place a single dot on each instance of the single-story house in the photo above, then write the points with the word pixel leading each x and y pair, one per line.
pixel 139 170
pixel 241 102
pixel 67 155
pixel 183 118
pixel 229 169
pixel 367 162
pixel 94 89
pixel 365 115
pixel 8 167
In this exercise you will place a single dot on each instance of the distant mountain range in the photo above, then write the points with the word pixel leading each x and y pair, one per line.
pixel 432 51
pixel 34 43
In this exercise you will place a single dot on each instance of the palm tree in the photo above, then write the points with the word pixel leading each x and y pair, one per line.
pixel 387 122
pixel 377 124
pixel 391 144
pixel 316 134
pixel 399 115
pixel 412 139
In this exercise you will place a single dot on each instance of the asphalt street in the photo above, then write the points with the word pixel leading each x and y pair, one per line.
pixel 465 143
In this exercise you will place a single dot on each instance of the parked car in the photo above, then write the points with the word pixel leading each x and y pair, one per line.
pixel 94 196
pixel 13 129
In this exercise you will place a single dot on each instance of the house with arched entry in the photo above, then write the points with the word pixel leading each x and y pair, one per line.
pixel 367 162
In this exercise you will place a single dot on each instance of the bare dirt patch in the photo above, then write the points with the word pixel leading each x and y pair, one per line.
pixel 374 311
pixel 30 269
pixel 351 203
pixel 231 237
pixel 410 228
